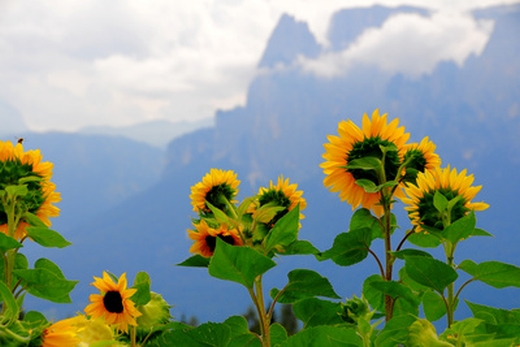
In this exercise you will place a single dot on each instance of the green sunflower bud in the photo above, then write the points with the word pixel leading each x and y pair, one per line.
pixel 354 309
pixel 423 333
pixel 155 312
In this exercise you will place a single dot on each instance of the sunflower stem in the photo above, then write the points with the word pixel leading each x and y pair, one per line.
pixel 263 317
pixel 133 334
pixel 449 248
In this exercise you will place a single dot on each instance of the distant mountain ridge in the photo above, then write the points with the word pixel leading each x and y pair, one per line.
pixel 469 112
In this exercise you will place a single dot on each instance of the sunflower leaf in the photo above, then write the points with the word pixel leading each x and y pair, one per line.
pixel 301 247
pixel 284 232
pixel 366 163
pixel 493 273
pixel 314 311
pixel 430 272
pixel 324 336
pixel 362 218
pixel 219 215
pixel 440 202
pixel 238 264
pixel 460 229
pixel 7 243
pixel 302 284
pixel 33 220
pixel 195 261
pixel 45 284
pixel 349 248
pixel 434 306
pixel 142 283
pixel 17 191
pixel 47 237
pixel 10 307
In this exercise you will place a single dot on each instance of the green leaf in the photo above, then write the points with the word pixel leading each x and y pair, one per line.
pixel 219 215
pixel 301 247
pixel 395 332
pixel 434 307
pixel 33 220
pixel 349 248
pixel 238 264
pixel 47 237
pixel 430 272
pixel 285 231
pixel 324 336
pixel 142 283
pixel 395 290
pixel 196 261
pixel 480 232
pixel 7 243
pixel 500 322
pixel 460 229
pixel 362 218
pixel 10 308
pixel 374 296
pixel 303 284
pixel 422 239
pixel 440 202
pixel 278 334
pixel 46 284
pixel 493 273
pixel 371 187
pixel 244 205
pixel 17 191
pixel 365 163
pixel 205 335
pixel 314 312
pixel 411 252
pixel 47 264
pixel 240 334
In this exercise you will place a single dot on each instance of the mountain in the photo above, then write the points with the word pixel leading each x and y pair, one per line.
pixel 470 111
pixel 156 133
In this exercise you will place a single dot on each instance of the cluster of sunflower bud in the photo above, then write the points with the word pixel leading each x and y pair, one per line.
pixel 245 224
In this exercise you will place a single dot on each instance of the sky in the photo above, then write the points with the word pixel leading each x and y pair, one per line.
pixel 68 64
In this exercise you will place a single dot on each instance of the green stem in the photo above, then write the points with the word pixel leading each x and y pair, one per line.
pixel 133 333
pixel 389 302
pixel 265 320
pixel 449 248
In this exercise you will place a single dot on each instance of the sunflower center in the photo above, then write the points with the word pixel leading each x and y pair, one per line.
pixel 211 241
pixel 217 193
pixel 113 302
pixel 10 172
pixel 431 217
pixel 370 147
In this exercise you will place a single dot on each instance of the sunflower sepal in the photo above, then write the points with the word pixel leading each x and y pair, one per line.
pixel 219 215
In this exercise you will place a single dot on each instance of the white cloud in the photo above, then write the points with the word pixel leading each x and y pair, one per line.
pixel 409 43
pixel 68 64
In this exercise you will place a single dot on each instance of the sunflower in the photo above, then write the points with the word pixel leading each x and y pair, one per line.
pixel 282 194
pixel 357 143
pixel 420 157
pixel 453 185
pixel 114 303
pixel 215 186
pixel 15 164
pixel 62 333
pixel 205 238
